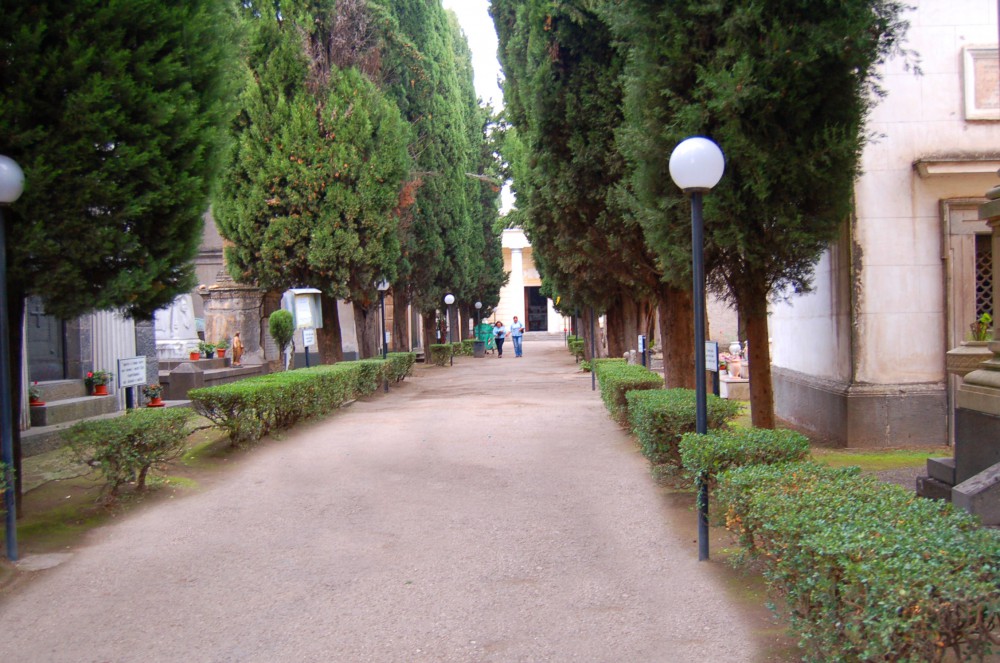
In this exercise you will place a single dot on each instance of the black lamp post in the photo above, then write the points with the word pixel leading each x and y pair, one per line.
pixel 696 165
pixel 382 286
pixel 449 299
pixel 11 186
pixel 479 321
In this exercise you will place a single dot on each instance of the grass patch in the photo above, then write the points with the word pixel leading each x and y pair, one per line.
pixel 876 460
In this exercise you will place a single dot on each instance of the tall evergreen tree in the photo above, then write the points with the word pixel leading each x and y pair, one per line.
pixel 784 87
pixel 310 197
pixel 115 111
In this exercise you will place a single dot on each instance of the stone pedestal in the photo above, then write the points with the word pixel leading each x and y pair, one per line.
pixel 231 307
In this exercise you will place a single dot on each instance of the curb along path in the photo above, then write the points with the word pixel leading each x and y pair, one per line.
pixel 486 512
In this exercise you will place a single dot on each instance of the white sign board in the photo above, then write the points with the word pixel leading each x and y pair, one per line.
pixel 131 372
pixel 712 356
pixel 309 337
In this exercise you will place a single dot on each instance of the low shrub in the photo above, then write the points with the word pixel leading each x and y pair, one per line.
pixel 440 353
pixel 467 347
pixel 576 347
pixel 458 348
pixel 709 455
pixel 617 379
pixel 659 417
pixel 400 365
pixel 127 447
pixel 3 482
pixel 868 571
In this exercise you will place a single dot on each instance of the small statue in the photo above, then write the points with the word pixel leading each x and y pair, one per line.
pixel 237 349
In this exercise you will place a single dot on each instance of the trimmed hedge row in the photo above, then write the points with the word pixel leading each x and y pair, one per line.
pixel 250 409
pixel 617 379
pixel 466 348
pixel 659 417
pixel 710 455
pixel 868 571
pixel 400 365
pixel 576 347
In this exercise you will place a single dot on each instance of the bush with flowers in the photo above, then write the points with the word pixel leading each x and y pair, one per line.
pixel 95 378
pixel 152 391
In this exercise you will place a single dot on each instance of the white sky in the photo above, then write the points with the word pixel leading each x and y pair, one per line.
pixel 475 19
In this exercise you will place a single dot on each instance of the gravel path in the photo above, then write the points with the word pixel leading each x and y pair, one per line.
pixel 486 512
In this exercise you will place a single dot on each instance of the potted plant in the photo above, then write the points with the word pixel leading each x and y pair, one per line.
pixel 220 347
pixel 35 395
pixel 194 354
pixel 97 382
pixel 154 393
pixel 207 349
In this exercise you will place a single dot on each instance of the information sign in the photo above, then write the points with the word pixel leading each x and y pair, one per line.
pixel 131 372
pixel 712 356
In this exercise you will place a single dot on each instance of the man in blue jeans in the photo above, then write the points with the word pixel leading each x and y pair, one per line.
pixel 516 331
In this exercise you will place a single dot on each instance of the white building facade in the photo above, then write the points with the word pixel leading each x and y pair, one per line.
pixel 861 360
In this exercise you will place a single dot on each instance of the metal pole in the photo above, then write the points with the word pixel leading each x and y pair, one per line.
pixel 701 404
pixel 593 352
pixel 6 415
pixel 385 341
pixel 451 350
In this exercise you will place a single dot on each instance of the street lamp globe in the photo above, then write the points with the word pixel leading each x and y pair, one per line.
pixel 382 285
pixel 697 164
pixel 11 180
pixel 449 299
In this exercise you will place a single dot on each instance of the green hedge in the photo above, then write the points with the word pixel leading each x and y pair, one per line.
pixel 458 348
pixel 868 571
pixel 127 447
pixel 576 347
pixel 400 365
pixel 659 417
pixel 467 347
pixel 440 353
pixel 712 454
pixel 3 483
pixel 252 408
pixel 617 379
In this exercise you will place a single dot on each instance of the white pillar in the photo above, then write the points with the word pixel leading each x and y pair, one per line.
pixel 516 285
pixel 113 339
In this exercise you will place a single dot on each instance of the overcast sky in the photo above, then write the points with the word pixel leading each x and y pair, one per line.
pixel 478 26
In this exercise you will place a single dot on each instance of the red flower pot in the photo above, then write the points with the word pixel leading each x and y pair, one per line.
pixel 100 390
pixel 155 402
pixel 195 356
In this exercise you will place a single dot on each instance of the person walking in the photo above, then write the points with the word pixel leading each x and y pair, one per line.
pixel 499 334
pixel 516 333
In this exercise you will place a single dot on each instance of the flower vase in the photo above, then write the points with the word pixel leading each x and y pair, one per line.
pixel 155 402
pixel 100 390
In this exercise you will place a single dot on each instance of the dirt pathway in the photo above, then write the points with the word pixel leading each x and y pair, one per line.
pixel 485 512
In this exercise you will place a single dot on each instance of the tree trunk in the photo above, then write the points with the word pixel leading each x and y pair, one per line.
pixel 430 333
pixel 400 341
pixel 761 390
pixel 677 326
pixel 366 324
pixel 328 337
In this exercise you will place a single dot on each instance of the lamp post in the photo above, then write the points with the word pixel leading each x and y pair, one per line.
pixel 696 165
pixel 382 286
pixel 475 328
pixel 449 299
pixel 11 186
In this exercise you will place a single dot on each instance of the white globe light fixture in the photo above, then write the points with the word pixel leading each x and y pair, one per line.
pixel 449 299
pixel 697 165
pixel 382 285
pixel 11 187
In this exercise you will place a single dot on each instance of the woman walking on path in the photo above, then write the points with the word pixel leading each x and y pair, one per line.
pixel 499 334
pixel 516 330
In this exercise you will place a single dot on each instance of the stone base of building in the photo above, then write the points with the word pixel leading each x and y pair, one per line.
pixel 854 415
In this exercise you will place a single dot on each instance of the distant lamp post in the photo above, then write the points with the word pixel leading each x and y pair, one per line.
pixel 382 286
pixel 696 165
pixel 475 329
pixel 11 186
pixel 449 299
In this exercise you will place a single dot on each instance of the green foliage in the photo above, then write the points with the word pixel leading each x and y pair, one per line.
pixel 709 455
pixel 400 365
pixel 466 348
pixel 660 417
pixel 252 408
pixel 3 481
pixel 982 329
pixel 868 571
pixel 127 447
pixel 440 353
pixel 116 113
pixel 310 194
pixel 576 347
pixel 281 325
pixel 617 378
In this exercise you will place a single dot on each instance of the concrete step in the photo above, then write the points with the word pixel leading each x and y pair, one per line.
pixel 72 409
pixel 933 489
pixel 57 390
pixel 203 364
pixel 942 469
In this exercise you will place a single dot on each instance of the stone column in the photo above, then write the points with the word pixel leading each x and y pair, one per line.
pixel 231 307
pixel 517 284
